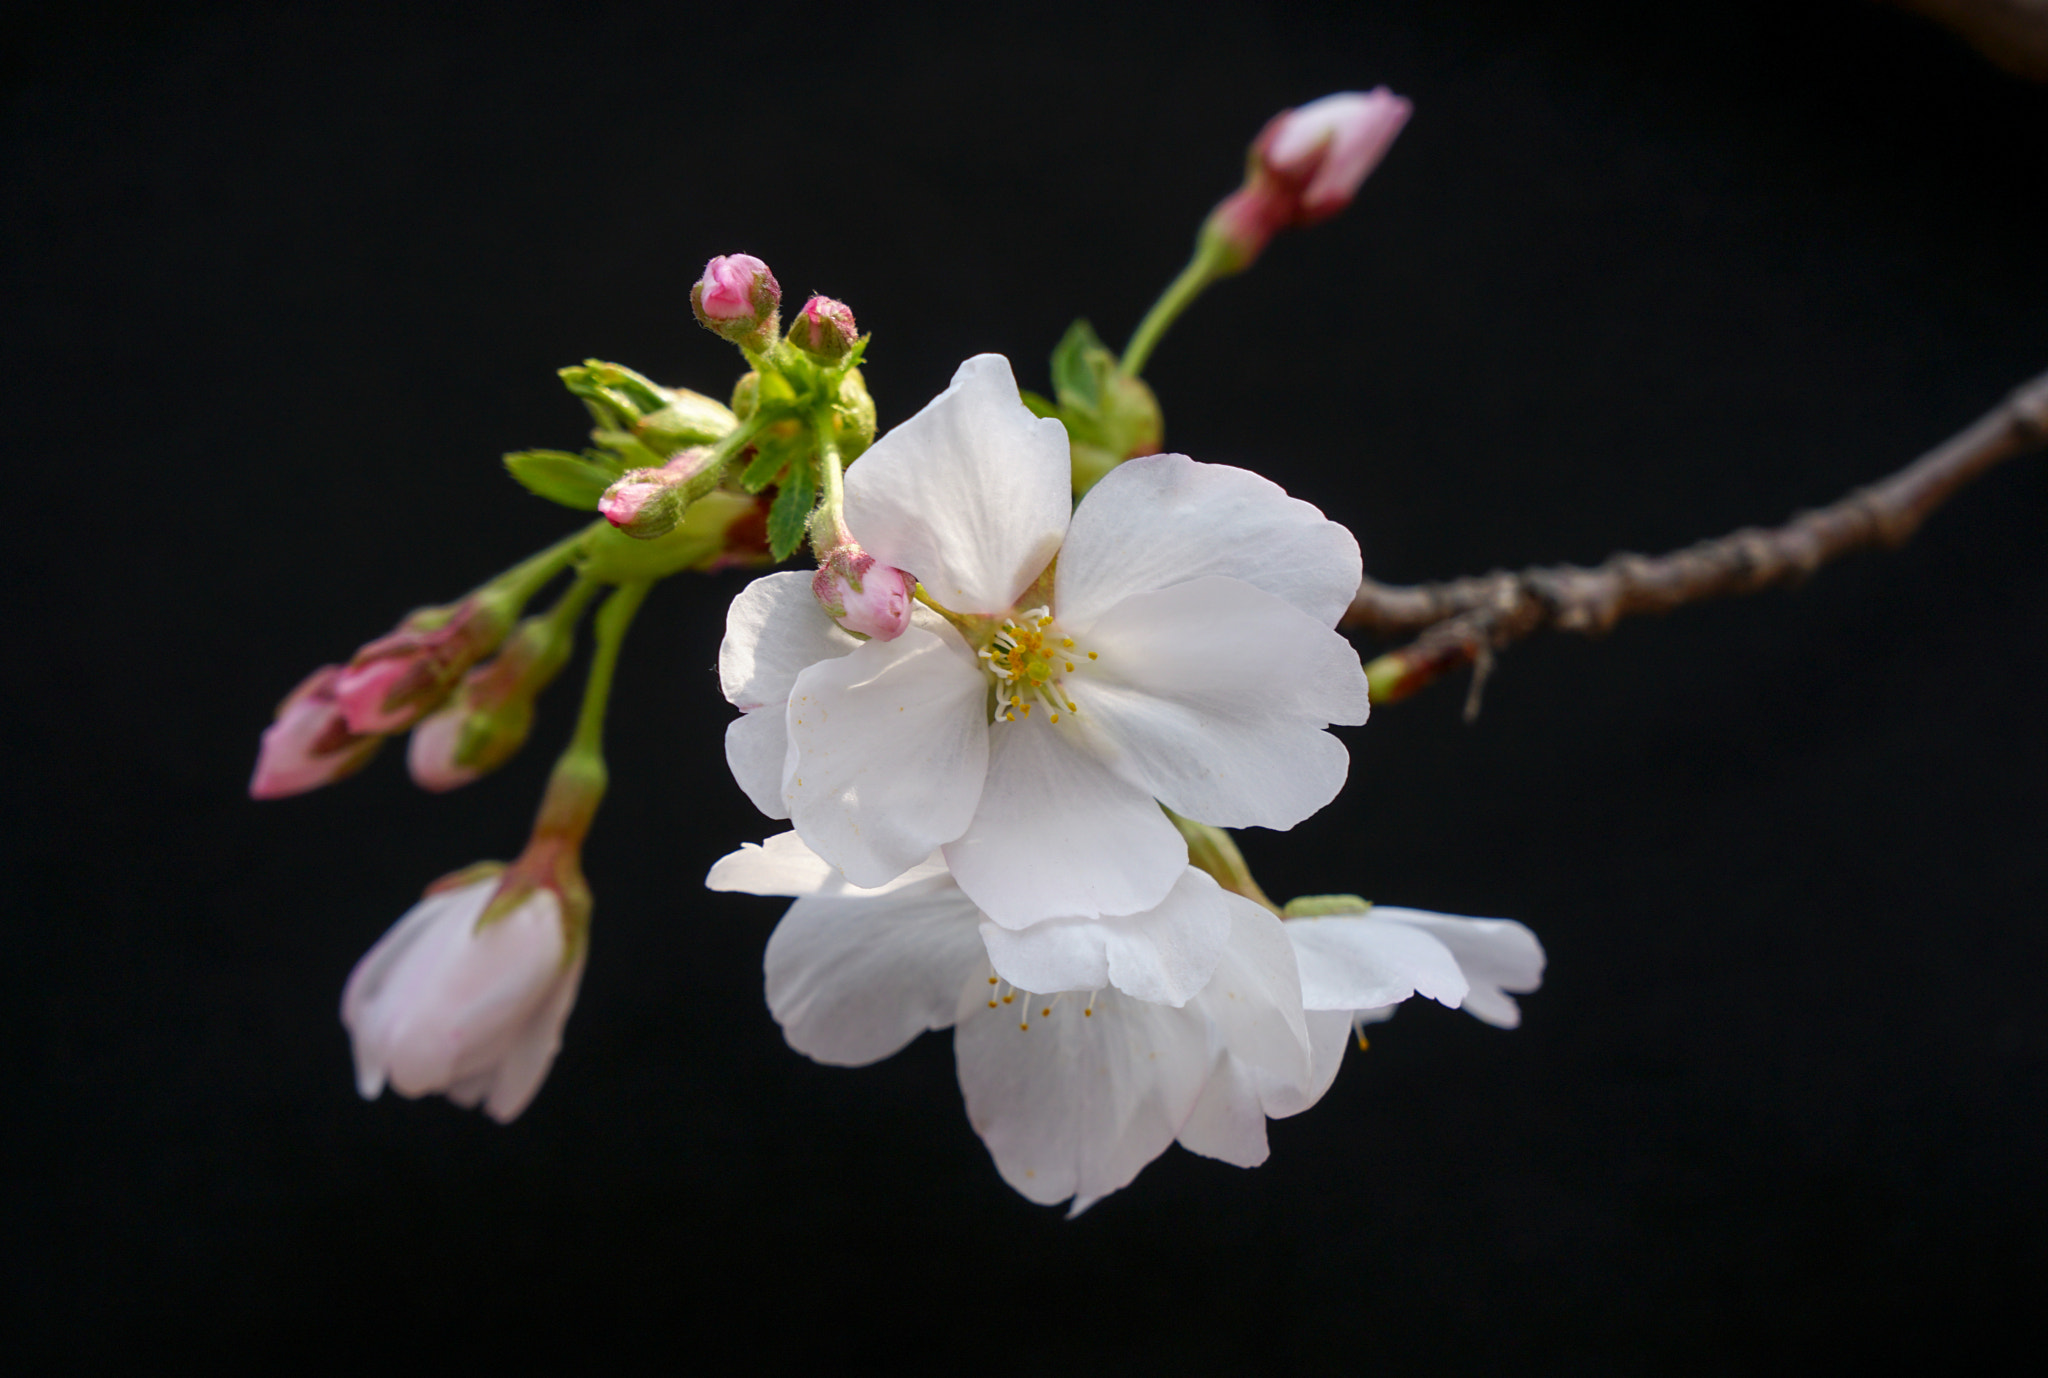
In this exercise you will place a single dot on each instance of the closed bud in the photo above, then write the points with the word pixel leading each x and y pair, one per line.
pixel 866 598
pixel 645 503
pixel 396 680
pixel 824 329
pixel 738 299
pixel 1305 166
pixel 487 720
pixel 310 744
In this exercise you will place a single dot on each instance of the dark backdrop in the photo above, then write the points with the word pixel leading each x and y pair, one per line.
pixel 281 289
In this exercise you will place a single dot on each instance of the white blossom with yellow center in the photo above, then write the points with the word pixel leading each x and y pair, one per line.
pixel 1177 624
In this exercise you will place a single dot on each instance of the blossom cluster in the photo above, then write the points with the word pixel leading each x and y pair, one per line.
pixel 1007 729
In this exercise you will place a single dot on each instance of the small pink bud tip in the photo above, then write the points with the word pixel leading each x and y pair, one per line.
pixel 1329 146
pixel 625 500
pixel 362 692
pixel 430 756
pixel 825 328
pixel 310 744
pixel 871 599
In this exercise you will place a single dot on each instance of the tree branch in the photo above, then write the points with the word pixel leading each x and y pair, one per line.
pixel 1464 621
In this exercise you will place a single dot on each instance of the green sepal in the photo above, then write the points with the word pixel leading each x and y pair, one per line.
pixel 617 387
pixel 1324 906
pixel 761 470
pixel 1081 364
pixel 571 480
pixel 627 448
pixel 792 511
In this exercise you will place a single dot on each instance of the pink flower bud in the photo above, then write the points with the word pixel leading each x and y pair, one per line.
pixel 824 328
pixel 398 679
pixel 649 502
pixel 737 298
pixel 441 1005
pixel 1306 165
pixel 862 596
pixel 310 744
pixel 433 752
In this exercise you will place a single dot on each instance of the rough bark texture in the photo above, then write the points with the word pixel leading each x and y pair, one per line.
pixel 1463 621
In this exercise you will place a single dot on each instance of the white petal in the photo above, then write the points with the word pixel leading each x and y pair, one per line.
pixel 1163 955
pixel 1228 1122
pixel 774 630
pixel 971 495
pixel 853 980
pixel 783 865
pixel 1165 519
pixel 1255 998
pixel 1058 834
pixel 1496 956
pixel 1216 693
pixel 1362 962
pixel 756 750
pixel 532 1053
pixel 891 745
pixel 1077 1104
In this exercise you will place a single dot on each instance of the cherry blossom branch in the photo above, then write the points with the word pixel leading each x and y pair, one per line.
pixel 1465 621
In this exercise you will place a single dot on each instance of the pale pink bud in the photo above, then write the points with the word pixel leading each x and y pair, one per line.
pixel 649 502
pixel 310 744
pixel 1330 145
pixel 1305 166
pixel 398 679
pixel 441 1006
pixel 824 328
pixel 737 298
pixel 432 750
pixel 871 599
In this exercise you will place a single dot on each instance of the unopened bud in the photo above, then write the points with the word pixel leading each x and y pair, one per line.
pixel 398 679
pixel 824 328
pixel 862 596
pixel 645 503
pixel 310 744
pixel 487 720
pixel 737 299
pixel 1305 166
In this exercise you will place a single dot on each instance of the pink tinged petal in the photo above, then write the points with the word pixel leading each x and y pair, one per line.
pixel 1365 962
pixel 1164 955
pixel 310 744
pixel 1215 694
pixel 971 495
pixel 889 746
pixel 853 980
pixel 1165 519
pixel 363 691
pixel 1495 955
pixel 430 752
pixel 1075 1105
pixel 1059 834
pixel 783 865
pixel 773 632
pixel 1362 127
pixel 438 1006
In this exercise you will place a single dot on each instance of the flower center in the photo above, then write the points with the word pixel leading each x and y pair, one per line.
pixel 998 996
pixel 1026 657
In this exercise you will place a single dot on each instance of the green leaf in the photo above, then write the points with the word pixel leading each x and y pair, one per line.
pixel 1040 406
pixel 764 466
pixel 792 511
pixel 1075 372
pixel 558 476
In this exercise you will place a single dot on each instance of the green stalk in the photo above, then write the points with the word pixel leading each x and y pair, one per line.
pixel 1204 268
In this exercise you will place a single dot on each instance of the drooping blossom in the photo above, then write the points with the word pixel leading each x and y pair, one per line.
pixel 1305 166
pixel 443 1006
pixel 310 744
pixel 1085 1047
pixel 1180 651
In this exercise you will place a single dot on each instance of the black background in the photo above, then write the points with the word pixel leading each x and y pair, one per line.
pixel 283 286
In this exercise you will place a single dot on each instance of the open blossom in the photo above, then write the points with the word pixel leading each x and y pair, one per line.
pixel 1085 1047
pixel 441 1006
pixel 1180 651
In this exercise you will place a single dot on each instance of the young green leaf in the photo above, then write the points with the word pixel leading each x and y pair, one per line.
pixel 571 480
pixel 792 511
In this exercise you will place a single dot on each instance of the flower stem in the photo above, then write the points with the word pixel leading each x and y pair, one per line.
pixel 1213 850
pixel 530 575
pixel 1204 268
pixel 831 512
pixel 612 620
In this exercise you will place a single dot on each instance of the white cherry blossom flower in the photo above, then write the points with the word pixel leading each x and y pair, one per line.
pixel 1178 649
pixel 440 1006
pixel 1085 1047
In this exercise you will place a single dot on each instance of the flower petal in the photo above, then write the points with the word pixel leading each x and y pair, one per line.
pixel 851 980
pixel 1163 955
pixel 891 746
pixel 1216 694
pixel 1058 834
pixel 1255 999
pixel 1165 519
pixel 757 751
pixel 1363 962
pixel 783 865
pixel 773 632
pixel 1495 955
pixel 1228 1121
pixel 527 1062
pixel 971 495
pixel 1076 1105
